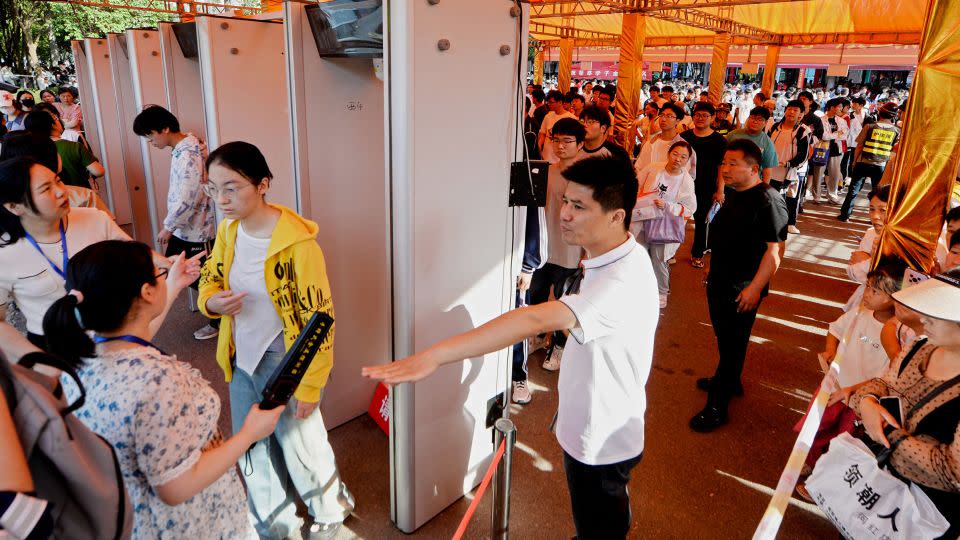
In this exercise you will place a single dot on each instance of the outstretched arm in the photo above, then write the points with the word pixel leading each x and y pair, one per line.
pixel 497 334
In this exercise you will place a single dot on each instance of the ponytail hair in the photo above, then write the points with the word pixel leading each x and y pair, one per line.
pixel 104 280
pixel 14 188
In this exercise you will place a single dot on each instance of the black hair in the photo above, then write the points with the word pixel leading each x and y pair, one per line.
pixel 705 106
pixel 677 110
pixel 574 96
pixel 795 103
pixel 47 91
pixel 154 119
pixel 653 104
pixel 682 144
pixel 14 188
pixel 592 112
pixel 571 127
pixel 882 193
pixel 538 94
pixel 751 152
pixel 833 102
pixel 609 91
pixel 760 110
pixel 888 277
pixel 27 144
pixel 108 289
pixel 954 239
pixel 69 90
pixel 612 180
pixel 39 122
pixel 953 214
pixel 859 99
pixel 48 107
pixel 22 92
pixel 806 94
pixel 655 88
pixel 243 158
pixel 667 88
pixel 555 95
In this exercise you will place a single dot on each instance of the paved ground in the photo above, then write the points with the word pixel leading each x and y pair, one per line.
pixel 688 485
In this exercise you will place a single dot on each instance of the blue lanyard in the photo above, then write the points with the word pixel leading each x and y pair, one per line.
pixel 62 271
pixel 129 339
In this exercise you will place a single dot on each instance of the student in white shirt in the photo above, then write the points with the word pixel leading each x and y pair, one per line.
pixel 656 149
pixel 557 111
pixel 612 317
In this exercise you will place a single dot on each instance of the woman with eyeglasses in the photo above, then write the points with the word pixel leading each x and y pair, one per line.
pixel 159 414
pixel 39 232
pixel 264 280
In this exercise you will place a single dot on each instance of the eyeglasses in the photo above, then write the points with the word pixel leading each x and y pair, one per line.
pixel 557 140
pixel 163 272
pixel 213 191
pixel 702 115
pixel 668 116
pixel 590 122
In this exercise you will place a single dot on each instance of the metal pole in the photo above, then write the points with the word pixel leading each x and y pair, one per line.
pixel 503 430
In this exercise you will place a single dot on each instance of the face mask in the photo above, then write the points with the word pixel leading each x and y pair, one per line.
pixel 27 102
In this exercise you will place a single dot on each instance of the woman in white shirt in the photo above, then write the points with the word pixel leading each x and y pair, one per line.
pixel 39 232
pixel 666 189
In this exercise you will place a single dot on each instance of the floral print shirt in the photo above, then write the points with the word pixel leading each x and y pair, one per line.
pixel 190 214
pixel 160 415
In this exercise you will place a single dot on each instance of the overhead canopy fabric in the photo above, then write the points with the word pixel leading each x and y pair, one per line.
pixel 797 17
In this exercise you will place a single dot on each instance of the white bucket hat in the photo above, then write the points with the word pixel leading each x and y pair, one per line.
pixel 937 297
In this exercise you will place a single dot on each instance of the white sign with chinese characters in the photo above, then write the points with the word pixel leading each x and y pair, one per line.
pixel 867 502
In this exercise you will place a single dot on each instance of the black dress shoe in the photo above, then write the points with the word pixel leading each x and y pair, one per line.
pixel 707 420
pixel 705 383
pixel 843 219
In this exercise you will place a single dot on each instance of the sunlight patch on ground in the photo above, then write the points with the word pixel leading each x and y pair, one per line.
pixel 759 340
pixel 539 462
pixel 797 393
pixel 820 275
pixel 816 330
pixel 807 298
pixel 812 508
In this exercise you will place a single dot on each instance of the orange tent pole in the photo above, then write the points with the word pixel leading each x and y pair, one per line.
pixel 630 78
pixel 718 66
pixel 566 65
pixel 538 67
pixel 770 69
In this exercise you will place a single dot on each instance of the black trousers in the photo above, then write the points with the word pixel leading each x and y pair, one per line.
pixel 704 202
pixel 177 246
pixel 733 334
pixel 551 275
pixel 598 494
pixel 520 352
pixel 792 202
pixel 861 171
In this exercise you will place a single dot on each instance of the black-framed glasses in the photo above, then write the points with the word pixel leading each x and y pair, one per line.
pixel 163 272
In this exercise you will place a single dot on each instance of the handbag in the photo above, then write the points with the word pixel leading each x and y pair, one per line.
pixel 865 501
pixel 821 153
pixel 665 229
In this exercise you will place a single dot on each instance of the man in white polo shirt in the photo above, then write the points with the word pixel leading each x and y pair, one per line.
pixel 611 313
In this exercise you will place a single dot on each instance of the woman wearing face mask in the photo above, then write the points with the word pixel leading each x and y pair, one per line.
pixel 159 414
pixel 265 278
pixel 25 98
pixel 926 378
pixel 39 232
pixel 665 188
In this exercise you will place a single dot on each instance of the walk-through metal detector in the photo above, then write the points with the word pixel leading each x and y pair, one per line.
pixel 146 76
pixel 181 76
pixel 245 96
pixel 338 141
pixel 126 105
pixel 102 125
pixel 452 77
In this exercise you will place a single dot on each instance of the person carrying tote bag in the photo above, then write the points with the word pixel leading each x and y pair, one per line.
pixel 665 201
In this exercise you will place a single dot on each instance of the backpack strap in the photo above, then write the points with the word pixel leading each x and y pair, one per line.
pixel 32 359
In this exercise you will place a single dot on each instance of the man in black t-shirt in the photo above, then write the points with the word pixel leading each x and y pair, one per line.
pixel 746 241
pixel 709 147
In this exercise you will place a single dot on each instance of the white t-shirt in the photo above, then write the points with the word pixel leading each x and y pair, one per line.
pixel 606 364
pixel 858 272
pixel 257 324
pixel 27 277
pixel 548 121
pixel 862 357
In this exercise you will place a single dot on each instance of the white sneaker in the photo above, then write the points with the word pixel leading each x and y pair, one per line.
pixel 207 332
pixel 792 229
pixel 521 394
pixel 663 301
pixel 552 363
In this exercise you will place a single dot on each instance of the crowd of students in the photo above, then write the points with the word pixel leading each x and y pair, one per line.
pixel 596 269
pixel 93 299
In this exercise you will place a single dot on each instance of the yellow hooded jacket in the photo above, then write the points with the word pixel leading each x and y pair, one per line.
pixel 296 278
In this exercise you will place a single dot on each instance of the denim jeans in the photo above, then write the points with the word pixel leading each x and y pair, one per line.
pixel 296 462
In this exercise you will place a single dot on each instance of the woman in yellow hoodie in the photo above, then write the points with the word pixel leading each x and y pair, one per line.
pixel 265 277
